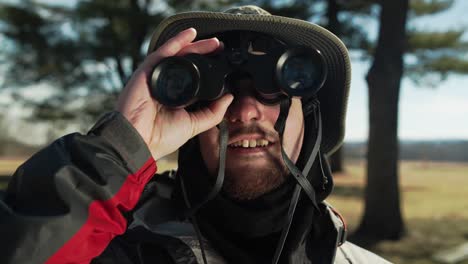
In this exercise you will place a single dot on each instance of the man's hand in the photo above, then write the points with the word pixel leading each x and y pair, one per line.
pixel 166 129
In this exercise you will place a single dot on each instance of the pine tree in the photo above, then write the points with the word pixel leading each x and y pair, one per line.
pixel 86 51
pixel 429 54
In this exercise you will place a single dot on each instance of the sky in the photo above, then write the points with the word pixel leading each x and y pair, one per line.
pixel 425 113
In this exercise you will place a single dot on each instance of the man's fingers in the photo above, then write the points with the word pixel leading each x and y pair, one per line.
pixel 221 46
pixel 171 47
pixel 210 116
pixel 200 47
pixel 175 44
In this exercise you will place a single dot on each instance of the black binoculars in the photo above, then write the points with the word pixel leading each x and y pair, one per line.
pixel 284 71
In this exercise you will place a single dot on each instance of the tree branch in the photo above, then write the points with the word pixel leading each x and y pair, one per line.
pixel 120 70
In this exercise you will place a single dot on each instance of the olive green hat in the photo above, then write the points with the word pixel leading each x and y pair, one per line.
pixel 334 94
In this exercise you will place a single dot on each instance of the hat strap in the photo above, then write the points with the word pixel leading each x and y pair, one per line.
pixel 298 175
pixel 192 210
pixel 223 139
pixel 303 183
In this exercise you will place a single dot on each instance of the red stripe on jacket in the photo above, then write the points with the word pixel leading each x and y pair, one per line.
pixel 105 220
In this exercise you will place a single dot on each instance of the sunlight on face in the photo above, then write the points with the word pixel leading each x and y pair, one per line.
pixel 253 164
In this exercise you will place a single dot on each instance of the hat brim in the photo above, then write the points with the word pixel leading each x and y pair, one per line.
pixel 333 96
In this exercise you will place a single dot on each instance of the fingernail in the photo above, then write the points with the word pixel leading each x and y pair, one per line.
pixel 190 29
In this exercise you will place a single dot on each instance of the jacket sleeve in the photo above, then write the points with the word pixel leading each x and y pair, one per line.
pixel 67 202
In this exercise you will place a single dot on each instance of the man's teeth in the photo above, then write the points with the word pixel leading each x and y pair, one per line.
pixel 252 143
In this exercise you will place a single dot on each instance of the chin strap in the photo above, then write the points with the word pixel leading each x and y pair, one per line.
pixel 191 210
pixel 223 139
pixel 300 177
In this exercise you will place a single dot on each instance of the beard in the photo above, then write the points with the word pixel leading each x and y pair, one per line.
pixel 251 180
pixel 251 176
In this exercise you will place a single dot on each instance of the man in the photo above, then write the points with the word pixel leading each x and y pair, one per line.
pixel 252 177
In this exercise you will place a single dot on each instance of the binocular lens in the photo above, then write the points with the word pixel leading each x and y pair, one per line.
pixel 174 83
pixel 301 72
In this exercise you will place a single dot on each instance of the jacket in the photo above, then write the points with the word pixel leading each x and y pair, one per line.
pixel 79 200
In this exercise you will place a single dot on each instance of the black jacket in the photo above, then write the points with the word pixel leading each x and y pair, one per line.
pixel 76 201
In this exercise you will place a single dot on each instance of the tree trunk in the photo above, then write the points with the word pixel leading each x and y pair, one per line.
pixel 334 25
pixel 336 160
pixel 382 218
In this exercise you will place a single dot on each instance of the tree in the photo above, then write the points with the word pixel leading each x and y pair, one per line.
pixel 335 26
pixel 433 53
pixel 327 13
pixel 354 37
pixel 86 61
pixel 87 51
pixel 382 216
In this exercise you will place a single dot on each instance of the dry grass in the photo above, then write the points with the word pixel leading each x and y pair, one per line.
pixel 434 204
pixel 8 166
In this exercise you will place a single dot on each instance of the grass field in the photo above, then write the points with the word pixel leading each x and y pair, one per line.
pixel 434 203
pixel 7 167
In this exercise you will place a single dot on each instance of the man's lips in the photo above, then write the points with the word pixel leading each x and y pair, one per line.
pixel 250 144
pixel 250 141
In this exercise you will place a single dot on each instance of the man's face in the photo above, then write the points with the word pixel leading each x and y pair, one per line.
pixel 253 163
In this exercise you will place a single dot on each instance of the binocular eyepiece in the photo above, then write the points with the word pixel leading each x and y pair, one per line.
pixel 282 72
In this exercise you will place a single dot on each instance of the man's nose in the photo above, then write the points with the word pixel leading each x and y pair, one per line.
pixel 245 109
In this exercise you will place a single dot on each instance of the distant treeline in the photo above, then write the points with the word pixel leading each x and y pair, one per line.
pixel 448 150
pixel 445 150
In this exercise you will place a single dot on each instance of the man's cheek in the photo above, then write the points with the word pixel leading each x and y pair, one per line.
pixel 208 138
pixel 209 149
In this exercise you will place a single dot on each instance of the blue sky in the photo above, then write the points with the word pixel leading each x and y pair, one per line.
pixel 425 113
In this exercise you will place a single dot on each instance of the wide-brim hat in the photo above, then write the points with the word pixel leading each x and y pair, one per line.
pixel 333 96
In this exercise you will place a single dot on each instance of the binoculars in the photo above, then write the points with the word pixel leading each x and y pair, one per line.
pixel 180 81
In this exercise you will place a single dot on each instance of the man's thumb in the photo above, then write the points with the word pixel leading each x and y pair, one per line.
pixel 210 116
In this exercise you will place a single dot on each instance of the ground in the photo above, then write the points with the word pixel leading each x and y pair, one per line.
pixel 434 203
